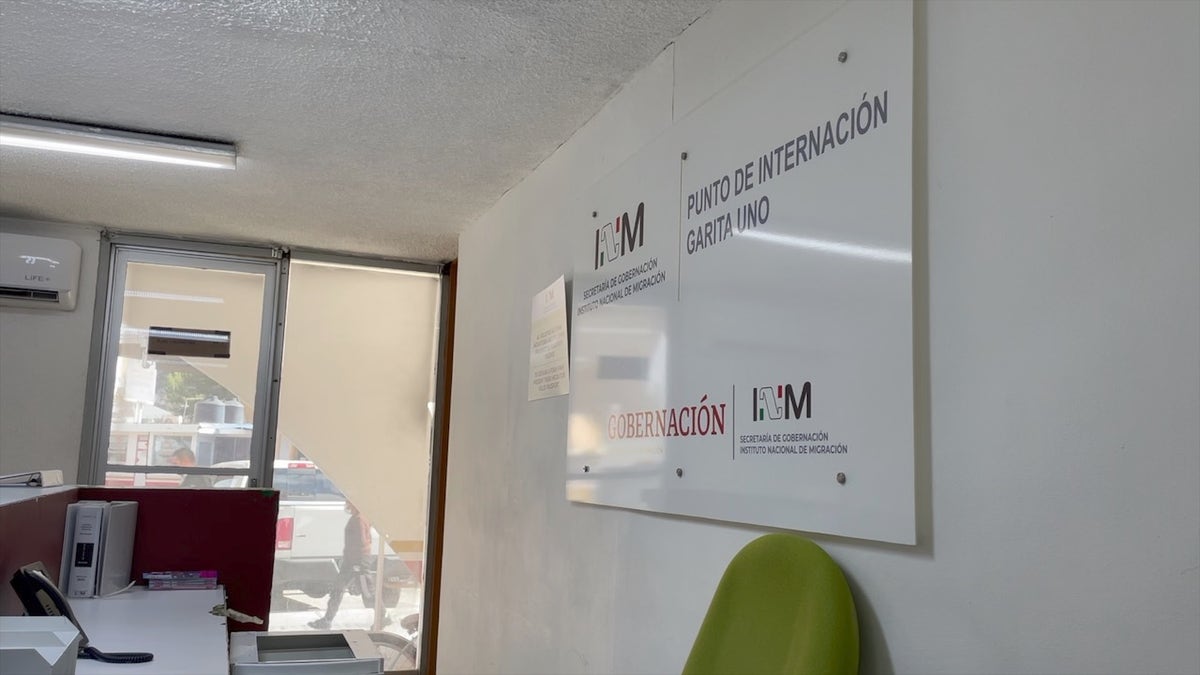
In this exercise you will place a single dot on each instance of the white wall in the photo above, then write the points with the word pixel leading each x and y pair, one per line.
pixel 1057 236
pixel 43 366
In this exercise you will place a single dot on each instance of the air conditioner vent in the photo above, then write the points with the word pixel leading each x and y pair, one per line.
pixel 38 272
pixel 28 294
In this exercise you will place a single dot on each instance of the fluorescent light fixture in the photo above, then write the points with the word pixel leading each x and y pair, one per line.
pixel 28 132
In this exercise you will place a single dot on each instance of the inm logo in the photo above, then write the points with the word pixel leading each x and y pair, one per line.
pixel 780 402
pixel 617 238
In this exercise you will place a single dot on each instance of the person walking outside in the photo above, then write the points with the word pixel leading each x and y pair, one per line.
pixel 356 549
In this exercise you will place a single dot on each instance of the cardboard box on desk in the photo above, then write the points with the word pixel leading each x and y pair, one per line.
pixel 38 645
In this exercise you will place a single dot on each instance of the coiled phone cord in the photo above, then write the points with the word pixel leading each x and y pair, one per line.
pixel 90 652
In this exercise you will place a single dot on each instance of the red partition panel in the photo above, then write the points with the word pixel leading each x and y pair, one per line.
pixel 230 531
pixel 31 530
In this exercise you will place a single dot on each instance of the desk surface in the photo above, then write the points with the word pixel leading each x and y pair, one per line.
pixel 11 494
pixel 175 626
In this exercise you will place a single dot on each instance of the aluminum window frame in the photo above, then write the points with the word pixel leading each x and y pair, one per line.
pixel 116 251
pixel 437 480
pixel 99 393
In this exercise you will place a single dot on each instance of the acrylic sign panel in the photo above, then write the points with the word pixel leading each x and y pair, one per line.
pixel 742 318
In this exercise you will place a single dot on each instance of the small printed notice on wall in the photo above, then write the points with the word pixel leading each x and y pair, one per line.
pixel 548 371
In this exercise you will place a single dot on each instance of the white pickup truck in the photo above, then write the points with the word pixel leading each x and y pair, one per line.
pixel 309 532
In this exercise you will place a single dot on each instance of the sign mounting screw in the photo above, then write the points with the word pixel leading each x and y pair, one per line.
pixel 842 56
pixel 594 214
pixel 841 478
pixel 586 468
pixel 683 155
pixel 679 473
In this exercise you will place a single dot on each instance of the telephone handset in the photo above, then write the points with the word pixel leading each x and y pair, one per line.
pixel 41 597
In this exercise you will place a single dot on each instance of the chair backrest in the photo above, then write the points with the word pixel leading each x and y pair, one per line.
pixel 783 606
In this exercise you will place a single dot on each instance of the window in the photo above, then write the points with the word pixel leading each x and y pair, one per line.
pixel 356 411
pixel 186 355
pixel 344 435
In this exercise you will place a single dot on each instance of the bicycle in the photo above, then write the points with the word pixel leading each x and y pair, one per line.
pixel 399 651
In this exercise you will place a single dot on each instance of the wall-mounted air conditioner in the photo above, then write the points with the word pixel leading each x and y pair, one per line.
pixel 38 272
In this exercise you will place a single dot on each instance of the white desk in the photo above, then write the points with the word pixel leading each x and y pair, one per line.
pixel 175 626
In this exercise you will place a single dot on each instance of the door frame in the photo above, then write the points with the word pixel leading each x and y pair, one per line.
pixel 439 431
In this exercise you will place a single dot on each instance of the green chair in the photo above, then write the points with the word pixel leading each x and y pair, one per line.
pixel 783 607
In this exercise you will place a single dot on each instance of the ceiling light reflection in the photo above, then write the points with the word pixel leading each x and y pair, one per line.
pixel 835 247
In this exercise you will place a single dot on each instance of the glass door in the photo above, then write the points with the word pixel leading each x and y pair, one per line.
pixel 352 459
pixel 187 352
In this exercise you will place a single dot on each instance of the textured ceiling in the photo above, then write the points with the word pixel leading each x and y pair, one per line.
pixel 382 127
